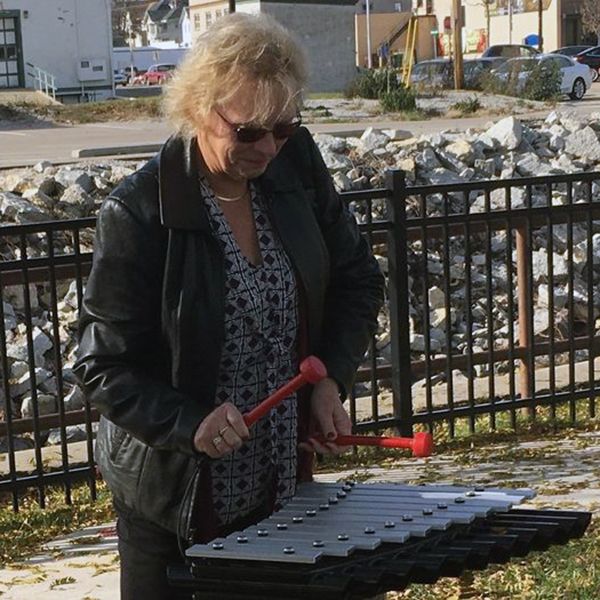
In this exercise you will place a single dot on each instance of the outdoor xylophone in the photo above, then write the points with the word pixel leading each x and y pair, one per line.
pixel 355 541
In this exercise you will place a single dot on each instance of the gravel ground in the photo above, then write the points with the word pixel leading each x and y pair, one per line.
pixel 321 109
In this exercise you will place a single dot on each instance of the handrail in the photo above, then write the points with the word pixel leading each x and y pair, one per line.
pixel 43 81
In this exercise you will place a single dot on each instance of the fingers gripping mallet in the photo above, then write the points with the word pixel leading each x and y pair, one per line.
pixel 312 370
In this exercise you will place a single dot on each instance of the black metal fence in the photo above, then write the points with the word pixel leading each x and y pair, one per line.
pixel 491 314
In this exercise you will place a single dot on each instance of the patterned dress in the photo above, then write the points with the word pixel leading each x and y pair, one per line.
pixel 259 355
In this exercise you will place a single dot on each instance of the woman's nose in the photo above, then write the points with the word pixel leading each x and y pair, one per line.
pixel 267 144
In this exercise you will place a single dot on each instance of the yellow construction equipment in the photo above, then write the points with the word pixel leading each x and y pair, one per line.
pixel 408 59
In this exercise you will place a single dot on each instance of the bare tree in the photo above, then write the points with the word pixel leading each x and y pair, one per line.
pixel 486 8
pixel 590 17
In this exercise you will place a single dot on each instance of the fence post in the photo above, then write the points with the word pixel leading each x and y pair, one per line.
pixel 524 313
pixel 398 301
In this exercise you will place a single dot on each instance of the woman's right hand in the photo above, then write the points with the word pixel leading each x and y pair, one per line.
pixel 221 432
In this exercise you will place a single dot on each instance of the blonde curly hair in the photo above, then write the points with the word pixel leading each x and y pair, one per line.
pixel 239 48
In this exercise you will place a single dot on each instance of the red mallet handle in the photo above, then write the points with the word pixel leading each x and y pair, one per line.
pixel 312 370
pixel 421 444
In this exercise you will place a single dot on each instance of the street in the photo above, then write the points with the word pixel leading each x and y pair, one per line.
pixel 57 142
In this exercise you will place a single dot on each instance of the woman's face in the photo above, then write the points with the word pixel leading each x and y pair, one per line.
pixel 221 148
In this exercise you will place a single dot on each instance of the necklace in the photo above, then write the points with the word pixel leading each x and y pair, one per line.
pixel 210 190
pixel 231 198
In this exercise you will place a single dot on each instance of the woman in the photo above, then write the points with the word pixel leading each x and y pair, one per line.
pixel 218 266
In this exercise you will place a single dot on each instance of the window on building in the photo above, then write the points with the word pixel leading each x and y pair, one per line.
pixel 197 21
pixel 218 13
pixel 208 19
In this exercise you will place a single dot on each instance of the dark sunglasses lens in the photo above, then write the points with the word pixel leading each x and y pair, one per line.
pixel 285 130
pixel 249 135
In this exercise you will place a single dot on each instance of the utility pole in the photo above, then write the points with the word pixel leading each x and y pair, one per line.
pixel 540 26
pixel 457 44
pixel 368 18
pixel 231 6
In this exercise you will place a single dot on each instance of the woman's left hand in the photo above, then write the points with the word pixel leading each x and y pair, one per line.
pixel 328 418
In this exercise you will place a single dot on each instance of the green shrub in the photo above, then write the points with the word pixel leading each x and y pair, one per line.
pixel 398 100
pixel 372 83
pixel 384 85
pixel 468 106
pixel 544 82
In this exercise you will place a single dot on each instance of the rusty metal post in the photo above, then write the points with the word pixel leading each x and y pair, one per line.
pixel 524 311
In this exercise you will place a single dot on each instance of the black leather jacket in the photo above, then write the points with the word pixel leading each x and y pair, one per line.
pixel 151 325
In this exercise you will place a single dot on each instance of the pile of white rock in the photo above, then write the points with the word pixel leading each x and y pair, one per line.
pixel 561 144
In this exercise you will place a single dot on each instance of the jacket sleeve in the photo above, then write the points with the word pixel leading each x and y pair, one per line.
pixel 355 292
pixel 120 329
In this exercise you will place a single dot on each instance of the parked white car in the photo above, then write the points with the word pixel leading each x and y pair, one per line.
pixel 576 78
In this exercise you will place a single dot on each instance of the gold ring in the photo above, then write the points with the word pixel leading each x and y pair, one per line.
pixel 216 441
pixel 223 430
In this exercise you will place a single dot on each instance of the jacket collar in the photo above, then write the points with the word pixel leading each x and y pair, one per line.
pixel 179 192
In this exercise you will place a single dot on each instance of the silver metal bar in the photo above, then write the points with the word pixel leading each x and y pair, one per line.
pixel 360 542
pixel 427 515
pixel 368 518
pixel 524 493
pixel 303 505
pixel 397 534
pixel 389 501
pixel 302 552
pixel 495 500
pixel 417 529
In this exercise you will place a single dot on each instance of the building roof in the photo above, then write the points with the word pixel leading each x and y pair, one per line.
pixel 166 10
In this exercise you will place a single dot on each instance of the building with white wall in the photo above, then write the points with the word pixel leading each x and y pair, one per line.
pixel 69 39
pixel 164 23
pixel 325 28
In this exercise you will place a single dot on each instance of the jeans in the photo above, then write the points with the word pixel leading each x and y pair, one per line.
pixel 146 550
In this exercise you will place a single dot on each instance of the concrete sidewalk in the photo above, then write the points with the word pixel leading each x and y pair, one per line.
pixel 564 471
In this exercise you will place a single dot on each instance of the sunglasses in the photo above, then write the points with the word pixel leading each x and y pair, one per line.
pixel 248 135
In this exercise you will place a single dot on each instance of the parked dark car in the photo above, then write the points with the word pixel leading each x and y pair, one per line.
pixel 507 51
pixel 570 50
pixel 591 58
pixel 475 70
pixel 438 73
pixel 432 74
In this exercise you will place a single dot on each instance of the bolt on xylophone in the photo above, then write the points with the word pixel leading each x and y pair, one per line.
pixel 353 541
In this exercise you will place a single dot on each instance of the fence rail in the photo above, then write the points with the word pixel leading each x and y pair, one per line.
pixel 43 81
pixel 490 315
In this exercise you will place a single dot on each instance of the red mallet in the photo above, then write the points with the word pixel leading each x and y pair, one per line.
pixel 312 370
pixel 421 444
